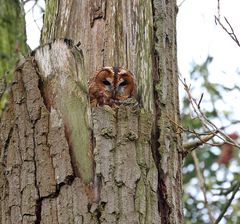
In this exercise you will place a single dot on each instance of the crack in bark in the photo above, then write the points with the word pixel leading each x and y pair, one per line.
pixel 38 205
pixel 38 208
pixel 52 195
pixel 42 92
pixel 6 145
pixel 97 10
pixel 38 201
pixel 68 181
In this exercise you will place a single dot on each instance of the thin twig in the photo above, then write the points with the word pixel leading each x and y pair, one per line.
pixel 228 203
pixel 202 185
pixel 206 123
pixel 227 191
pixel 200 100
pixel 230 33
pixel 190 146
pixel 218 7
pixel 180 4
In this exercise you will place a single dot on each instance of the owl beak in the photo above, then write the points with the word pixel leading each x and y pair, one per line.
pixel 114 92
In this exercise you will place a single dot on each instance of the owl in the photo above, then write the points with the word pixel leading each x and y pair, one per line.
pixel 110 86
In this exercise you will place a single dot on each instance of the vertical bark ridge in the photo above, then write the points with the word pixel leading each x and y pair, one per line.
pixel 166 87
pixel 125 166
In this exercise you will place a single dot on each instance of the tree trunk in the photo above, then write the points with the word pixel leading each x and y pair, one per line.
pixel 64 162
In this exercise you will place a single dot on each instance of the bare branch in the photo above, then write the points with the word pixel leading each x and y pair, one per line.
pixel 200 100
pixel 228 203
pixel 202 185
pixel 206 123
pixel 225 191
pixel 180 4
pixel 190 146
pixel 231 33
pixel 218 7
pixel 214 131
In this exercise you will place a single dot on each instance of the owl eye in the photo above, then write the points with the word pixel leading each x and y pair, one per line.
pixel 124 83
pixel 105 82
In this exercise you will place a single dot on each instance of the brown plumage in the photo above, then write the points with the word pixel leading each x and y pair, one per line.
pixel 110 86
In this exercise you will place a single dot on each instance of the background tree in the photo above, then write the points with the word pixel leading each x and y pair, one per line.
pixel 217 161
pixel 212 81
pixel 12 42
pixel 65 163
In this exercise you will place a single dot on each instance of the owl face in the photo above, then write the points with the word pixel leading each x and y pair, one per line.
pixel 111 85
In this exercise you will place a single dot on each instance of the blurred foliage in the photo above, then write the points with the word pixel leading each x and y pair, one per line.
pixel 12 41
pixel 216 176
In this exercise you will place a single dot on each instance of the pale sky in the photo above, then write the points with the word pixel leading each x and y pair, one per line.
pixel 199 36
pixel 33 23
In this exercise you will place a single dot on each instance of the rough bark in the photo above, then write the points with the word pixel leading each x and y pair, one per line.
pixel 38 179
pixel 110 33
pixel 165 82
pixel 66 164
